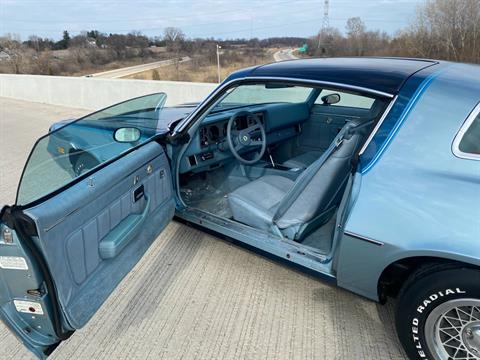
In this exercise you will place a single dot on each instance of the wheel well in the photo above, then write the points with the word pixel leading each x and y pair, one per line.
pixel 396 274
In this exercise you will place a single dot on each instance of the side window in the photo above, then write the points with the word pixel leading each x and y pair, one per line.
pixel 470 136
pixel 347 99
pixel 72 149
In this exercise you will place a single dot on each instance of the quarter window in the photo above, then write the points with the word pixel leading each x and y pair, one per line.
pixel 470 142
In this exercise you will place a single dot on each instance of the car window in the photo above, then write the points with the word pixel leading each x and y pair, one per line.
pixel 347 99
pixel 470 143
pixel 262 94
pixel 73 148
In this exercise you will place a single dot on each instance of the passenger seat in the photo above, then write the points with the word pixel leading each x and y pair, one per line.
pixel 304 160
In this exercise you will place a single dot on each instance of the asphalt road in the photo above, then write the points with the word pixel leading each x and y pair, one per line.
pixel 194 296
pixel 131 70
pixel 284 54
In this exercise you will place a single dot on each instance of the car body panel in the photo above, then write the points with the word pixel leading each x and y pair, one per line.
pixel 418 199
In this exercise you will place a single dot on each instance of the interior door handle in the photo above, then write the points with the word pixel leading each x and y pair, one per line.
pixel 121 235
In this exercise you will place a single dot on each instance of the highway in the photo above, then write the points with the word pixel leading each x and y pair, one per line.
pixel 284 54
pixel 131 70
pixel 195 296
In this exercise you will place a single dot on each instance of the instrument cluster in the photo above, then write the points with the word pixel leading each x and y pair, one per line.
pixel 217 132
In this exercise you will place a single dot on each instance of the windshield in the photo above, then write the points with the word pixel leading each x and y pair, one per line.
pixel 255 94
pixel 74 149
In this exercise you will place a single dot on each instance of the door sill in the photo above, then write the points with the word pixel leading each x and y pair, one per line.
pixel 285 249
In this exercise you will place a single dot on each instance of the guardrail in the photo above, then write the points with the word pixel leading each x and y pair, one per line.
pixel 94 93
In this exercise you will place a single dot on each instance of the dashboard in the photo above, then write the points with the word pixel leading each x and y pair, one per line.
pixel 217 132
pixel 209 148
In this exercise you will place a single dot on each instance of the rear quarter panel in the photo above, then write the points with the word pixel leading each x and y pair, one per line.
pixel 418 198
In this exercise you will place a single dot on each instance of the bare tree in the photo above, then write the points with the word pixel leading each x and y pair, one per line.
pixel 174 39
pixel 356 40
pixel 447 29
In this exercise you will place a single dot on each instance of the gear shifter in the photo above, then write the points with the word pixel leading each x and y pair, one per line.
pixel 270 157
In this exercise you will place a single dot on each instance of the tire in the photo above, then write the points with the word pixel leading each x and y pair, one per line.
pixel 429 295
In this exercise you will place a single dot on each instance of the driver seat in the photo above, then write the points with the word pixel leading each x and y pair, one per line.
pixel 295 208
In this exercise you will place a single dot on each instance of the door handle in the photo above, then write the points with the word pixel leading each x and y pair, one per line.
pixel 121 235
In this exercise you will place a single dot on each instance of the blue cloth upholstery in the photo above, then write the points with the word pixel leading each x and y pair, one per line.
pixel 275 202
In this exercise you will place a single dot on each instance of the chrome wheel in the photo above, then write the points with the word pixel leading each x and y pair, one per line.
pixel 452 330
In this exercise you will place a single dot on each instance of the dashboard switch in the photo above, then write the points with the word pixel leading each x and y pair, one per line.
pixel 206 156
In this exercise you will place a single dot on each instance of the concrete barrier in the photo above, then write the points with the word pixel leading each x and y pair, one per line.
pixel 94 93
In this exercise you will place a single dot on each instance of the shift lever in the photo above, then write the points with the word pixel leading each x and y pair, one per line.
pixel 270 156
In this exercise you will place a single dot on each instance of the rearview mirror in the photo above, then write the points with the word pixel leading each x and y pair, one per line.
pixel 127 135
pixel 331 99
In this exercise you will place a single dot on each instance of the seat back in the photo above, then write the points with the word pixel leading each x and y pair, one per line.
pixel 316 190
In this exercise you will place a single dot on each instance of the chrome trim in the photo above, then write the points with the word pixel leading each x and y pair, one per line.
pixel 458 138
pixel 379 124
pixel 206 103
pixel 364 238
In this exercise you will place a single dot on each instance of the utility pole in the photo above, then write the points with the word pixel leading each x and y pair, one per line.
pixel 326 20
pixel 218 63
pixel 325 23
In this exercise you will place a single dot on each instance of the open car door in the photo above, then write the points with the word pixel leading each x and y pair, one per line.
pixel 94 195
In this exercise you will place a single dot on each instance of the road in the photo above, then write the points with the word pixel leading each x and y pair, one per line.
pixel 194 296
pixel 284 54
pixel 131 70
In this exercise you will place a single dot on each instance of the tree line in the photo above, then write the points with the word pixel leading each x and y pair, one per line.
pixel 442 29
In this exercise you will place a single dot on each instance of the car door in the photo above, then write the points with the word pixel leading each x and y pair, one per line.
pixel 326 120
pixel 94 194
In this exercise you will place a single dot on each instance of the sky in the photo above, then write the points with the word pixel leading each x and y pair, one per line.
pixel 222 19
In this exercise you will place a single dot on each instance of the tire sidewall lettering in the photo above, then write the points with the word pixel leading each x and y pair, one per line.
pixel 423 309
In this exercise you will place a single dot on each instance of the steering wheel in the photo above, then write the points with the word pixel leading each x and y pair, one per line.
pixel 252 136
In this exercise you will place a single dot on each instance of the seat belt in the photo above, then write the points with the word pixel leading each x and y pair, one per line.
pixel 307 175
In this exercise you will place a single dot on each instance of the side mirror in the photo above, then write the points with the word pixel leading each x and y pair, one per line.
pixel 127 135
pixel 331 99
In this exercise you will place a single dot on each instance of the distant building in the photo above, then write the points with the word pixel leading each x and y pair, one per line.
pixel 91 42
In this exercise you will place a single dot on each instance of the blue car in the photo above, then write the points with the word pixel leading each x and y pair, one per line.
pixel 364 171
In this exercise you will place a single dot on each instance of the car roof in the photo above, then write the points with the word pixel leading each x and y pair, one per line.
pixel 385 75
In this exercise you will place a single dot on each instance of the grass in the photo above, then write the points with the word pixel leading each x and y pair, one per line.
pixel 202 70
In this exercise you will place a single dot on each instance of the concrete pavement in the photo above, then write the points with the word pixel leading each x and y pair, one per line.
pixel 284 54
pixel 194 296
pixel 131 70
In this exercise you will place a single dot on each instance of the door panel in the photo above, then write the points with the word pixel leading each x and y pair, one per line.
pixel 68 253
pixel 324 124
pixel 94 232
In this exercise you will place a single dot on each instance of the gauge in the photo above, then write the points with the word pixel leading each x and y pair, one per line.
pixel 213 133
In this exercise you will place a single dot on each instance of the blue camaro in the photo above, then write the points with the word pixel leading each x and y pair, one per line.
pixel 363 170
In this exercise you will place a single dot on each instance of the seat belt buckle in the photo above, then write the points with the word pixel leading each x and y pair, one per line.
pixel 338 142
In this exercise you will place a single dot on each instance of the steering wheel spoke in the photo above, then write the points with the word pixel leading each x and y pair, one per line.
pixel 238 147
pixel 252 136
pixel 256 143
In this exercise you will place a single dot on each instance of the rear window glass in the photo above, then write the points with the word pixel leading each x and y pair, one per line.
pixel 73 148
pixel 470 142
pixel 347 99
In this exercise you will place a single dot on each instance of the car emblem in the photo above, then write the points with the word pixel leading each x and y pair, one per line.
pixel 245 138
